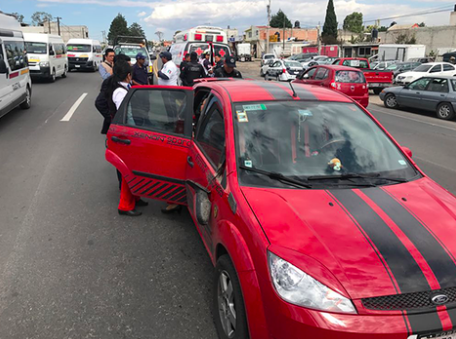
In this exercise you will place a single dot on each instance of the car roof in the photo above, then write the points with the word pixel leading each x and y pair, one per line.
pixel 437 63
pixel 340 68
pixel 240 90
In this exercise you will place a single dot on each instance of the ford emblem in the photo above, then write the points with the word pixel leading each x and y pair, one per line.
pixel 439 299
pixel 352 88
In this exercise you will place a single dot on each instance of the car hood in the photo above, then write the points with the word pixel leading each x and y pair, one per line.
pixel 367 242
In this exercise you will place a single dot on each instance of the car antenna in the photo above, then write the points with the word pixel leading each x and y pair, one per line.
pixel 294 92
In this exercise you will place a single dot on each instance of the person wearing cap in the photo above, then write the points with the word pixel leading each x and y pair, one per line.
pixel 184 62
pixel 169 74
pixel 193 70
pixel 139 75
pixel 228 70
pixel 205 62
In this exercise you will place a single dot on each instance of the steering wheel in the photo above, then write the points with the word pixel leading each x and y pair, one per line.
pixel 332 142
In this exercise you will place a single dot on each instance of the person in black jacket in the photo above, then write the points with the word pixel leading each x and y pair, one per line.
pixel 228 70
pixel 193 70
pixel 184 63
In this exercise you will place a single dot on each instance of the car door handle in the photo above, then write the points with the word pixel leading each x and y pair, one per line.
pixel 122 141
pixel 190 161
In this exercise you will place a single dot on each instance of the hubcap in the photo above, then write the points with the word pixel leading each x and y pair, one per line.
pixel 444 111
pixel 226 306
pixel 391 101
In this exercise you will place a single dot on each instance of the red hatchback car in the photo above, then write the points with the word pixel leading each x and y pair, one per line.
pixel 318 223
pixel 347 80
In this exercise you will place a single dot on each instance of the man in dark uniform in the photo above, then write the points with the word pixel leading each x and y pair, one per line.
pixel 228 70
pixel 218 62
pixel 193 70
pixel 184 63
pixel 139 72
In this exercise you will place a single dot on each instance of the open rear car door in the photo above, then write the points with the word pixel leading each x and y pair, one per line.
pixel 149 138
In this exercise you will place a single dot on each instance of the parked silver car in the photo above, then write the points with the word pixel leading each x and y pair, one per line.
pixel 432 93
pixel 284 70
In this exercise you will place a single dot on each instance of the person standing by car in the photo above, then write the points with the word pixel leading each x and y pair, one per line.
pixel 228 70
pixel 139 75
pixel 205 62
pixel 218 62
pixel 193 70
pixel 168 75
pixel 105 68
pixel 184 62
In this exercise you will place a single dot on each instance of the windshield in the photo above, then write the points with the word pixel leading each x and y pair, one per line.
pixel 292 64
pixel 393 67
pixel 131 51
pixel 36 47
pixel 422 68
pixel 79 48
pixel 311 139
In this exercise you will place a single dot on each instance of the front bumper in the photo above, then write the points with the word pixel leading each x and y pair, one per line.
pixel 80 65
pixel 40 72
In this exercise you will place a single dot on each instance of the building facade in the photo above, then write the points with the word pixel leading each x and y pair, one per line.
pixel 66 32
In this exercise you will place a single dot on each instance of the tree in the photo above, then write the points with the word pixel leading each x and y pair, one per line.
pixel 278 19
pixel 39 18
pixel 404 39
pixel 354 22
pixel 19 17
pixel 118 27
pixel 382 29
pixel 422 24
pixel 329 34
pixel 136 30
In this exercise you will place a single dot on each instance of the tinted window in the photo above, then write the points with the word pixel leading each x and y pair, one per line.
pixel 268 56
pixel 420 84
pixel 438 85
pixel 322 73
pixel 448 68
pixel 211 136
pixel 157 110
pixel 310 73
pixel 36 47
pixel 351 77
pixel 436 68
pixel 131 51
pixel 422 68
pixel 15 55
pixel 356 63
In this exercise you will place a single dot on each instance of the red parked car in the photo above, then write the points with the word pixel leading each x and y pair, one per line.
pixel 318 223
pixel 347 80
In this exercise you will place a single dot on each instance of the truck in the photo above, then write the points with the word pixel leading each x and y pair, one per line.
pixel 376 80
pixel 401 52
pixel 243 52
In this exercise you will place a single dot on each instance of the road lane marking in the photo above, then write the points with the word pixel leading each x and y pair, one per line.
pixel 73 108
pixel 412 119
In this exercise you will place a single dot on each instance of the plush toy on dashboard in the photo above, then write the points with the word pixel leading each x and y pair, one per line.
pixel 335 164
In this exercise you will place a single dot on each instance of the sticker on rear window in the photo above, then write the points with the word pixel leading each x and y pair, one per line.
pixel 305 113
pixel 254 107
pixel 402 162
pixel 242 116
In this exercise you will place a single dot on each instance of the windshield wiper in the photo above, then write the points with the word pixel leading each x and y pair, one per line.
pixel 356 176
pixel 278 176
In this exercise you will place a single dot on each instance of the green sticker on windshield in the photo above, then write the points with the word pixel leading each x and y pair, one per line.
pixel 254 107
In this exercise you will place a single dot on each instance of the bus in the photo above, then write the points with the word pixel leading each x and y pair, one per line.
pixel 200 39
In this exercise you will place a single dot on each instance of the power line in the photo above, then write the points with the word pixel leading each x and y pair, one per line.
pixel 426 12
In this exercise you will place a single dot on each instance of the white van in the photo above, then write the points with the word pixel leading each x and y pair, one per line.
pixel 46 56
pixel 84 54
pixel 15 82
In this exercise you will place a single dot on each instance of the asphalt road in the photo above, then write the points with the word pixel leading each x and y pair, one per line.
pixel 71 267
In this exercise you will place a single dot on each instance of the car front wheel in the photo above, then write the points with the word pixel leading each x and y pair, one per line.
pixel 391 101
pixel 445 111
pixel 229 310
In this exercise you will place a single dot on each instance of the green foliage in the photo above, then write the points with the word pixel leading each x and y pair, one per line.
pixel 278 19
pixel 19 17
pixel 354 22
pixel 135 29
pixel 118 27
pixel 405 39
pixel 38 18
pixel 329 33
pixel 422 24
pixel 432 54
pixel 360 38
pixel 382 29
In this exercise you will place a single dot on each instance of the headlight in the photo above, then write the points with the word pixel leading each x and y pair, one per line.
pixel 296 287
pixel 44 64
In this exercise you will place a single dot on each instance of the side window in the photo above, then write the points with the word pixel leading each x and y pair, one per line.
pixel 211 135
pixel 277 64
pixel 309 74
pixel 322 74
pixel 447 68
pixel 99 50
pixel 59 49
pixel 158 110
pixel 419 85
pixel 436 68
pixel 438 85
pixel 336 62
pixel 15 55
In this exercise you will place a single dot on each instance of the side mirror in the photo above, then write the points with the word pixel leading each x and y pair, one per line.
pixel 3 67
pixel 407 151
pixel 305 76
pixel 51 52
pixel 203 207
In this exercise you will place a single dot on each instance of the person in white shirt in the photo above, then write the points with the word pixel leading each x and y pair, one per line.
pixel 169 74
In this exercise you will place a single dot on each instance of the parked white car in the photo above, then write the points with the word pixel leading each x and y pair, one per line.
pixel 268 63
pixel 429 69
pixel 267 57
pixel 284 70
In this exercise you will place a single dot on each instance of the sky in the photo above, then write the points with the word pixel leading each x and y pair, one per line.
pixel 170 15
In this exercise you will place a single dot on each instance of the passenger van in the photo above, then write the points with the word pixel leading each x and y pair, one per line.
pixel 84 54
pixel 46 56
pixel 15 82
pixel 199 40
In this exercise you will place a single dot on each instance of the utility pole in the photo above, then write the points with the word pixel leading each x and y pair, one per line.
pixel 269 24
pixel 103 33
pixel 49 25
pixel 318 39
pixel 283 37
pixel 58 24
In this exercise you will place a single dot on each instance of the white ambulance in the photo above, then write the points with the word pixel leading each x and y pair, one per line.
pixel 200 39
pixel 15 82
pixel 46 56
pixel 84 54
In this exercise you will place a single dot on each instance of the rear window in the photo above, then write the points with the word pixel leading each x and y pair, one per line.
pixel 292 64
pixel 350 77
pixel 356 63
pixel 269 57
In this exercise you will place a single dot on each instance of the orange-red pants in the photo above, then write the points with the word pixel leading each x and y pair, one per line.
pixel 127 199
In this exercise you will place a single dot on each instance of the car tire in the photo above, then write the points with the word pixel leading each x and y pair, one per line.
pixel 95 68
pixel 53 76
pixel 377 91
pixel 64 74
pixel 390 101
pixel 261 73
pixel 28 99
pixel 229 302
pixel 445 111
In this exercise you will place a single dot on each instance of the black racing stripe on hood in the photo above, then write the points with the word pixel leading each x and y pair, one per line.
pixel 278 92
pixel 425 323
pixel 432 251
pixel 406 272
